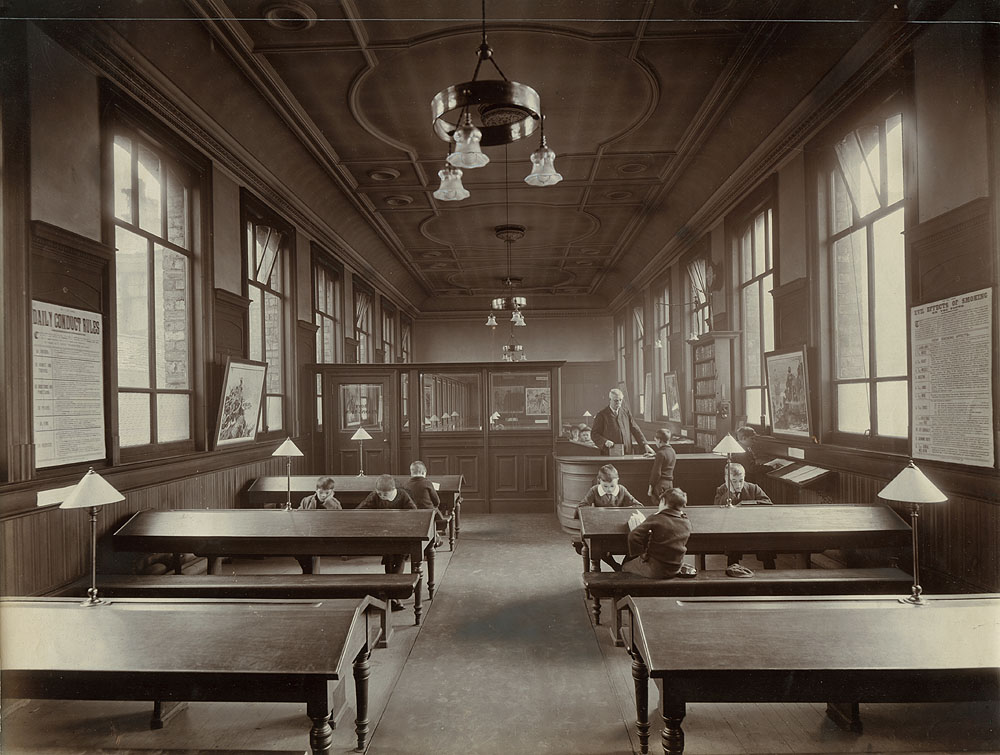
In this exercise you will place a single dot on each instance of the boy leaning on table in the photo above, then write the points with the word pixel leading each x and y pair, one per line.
pixel 657 543
pixel 322 498
pixel 609 493
pixel 385 496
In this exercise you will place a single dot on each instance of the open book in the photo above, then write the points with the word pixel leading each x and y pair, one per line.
pixel 636 518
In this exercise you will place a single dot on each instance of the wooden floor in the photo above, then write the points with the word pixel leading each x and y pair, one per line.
pixel 427 696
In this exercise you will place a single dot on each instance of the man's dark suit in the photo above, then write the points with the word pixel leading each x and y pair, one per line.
pixel 618 429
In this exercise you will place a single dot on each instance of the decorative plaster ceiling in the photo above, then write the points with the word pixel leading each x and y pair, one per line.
pixel 650 106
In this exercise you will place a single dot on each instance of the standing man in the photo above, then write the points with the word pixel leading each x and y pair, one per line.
pixel 614 424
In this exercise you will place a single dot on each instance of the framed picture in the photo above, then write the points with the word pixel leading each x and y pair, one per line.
pixel 788 392
pixel 239 409
pixel 537 401
pixel 671 397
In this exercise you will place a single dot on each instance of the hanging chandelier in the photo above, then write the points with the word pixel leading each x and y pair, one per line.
pixel 506 111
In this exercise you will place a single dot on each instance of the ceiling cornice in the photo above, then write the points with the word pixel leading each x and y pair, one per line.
pixel 218 19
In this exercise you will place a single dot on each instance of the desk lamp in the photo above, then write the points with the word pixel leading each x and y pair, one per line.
pixel 92 491
pixel 288 450
pixel 728 446
pixel 361 435
pixel 912 487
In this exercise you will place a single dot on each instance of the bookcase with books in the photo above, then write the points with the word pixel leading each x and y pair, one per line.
pixel 713 387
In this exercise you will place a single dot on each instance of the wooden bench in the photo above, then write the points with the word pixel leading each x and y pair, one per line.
pixel 617 585
pixel 383 587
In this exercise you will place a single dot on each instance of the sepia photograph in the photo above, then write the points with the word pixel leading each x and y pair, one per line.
pixel 499 377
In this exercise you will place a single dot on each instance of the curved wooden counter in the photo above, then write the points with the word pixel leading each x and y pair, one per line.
pixel 697 474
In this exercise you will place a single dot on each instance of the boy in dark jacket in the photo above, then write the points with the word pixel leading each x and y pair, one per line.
pixel 659 542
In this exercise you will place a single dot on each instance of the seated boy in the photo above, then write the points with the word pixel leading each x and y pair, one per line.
pixel 422 492
pixel 736 491
pixel 609 493
pixel 657 544
pixel 385 496
pixel 325 488
pixel 323 496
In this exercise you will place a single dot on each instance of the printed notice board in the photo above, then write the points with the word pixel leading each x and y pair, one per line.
pixel 68 384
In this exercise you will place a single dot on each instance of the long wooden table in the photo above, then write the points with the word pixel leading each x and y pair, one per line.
pixel 797 528
pixel 351 490
pixel 839 650
pixel 275 532
pixel 191 650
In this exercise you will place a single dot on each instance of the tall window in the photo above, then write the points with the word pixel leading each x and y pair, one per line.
pixel 865 223
pixel 755 258
pixel 405 339
pixel 620 350
pixel 155 237
pixel 363 324
pixel 388 332
pixel 267 243
pixel 697 294
pixel 661 343
pixel 327 298
pixel 638 336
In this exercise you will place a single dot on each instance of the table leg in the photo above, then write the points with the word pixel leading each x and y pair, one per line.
pixel 362 670
pixel 672 735
pixel 430 570
pixel 451 531
pixel 417 567
pixel 214 565
pixel 321 733
pixel 458 510
pixel 640 675
pixel 179 565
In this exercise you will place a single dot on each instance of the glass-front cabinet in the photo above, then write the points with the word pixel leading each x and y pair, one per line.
pixel 491 423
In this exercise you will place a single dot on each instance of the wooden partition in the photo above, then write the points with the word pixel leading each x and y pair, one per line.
pixel 494 424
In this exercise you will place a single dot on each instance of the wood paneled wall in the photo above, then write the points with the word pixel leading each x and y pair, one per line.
pixel 48 548
pixel 958 540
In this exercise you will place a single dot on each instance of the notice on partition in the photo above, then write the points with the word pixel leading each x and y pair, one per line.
pixel 952 404
pixel 68 395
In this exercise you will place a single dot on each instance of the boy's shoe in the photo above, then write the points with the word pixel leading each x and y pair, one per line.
pixel 395 605
pixel 738 570
pixel 687 571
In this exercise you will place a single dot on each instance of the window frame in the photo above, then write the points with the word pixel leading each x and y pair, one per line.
pixel 324 266
pixel 118 115
pixel 745 225
pixel 253 208
pixel 390 322
pixel 878 110
pixel 364 337
pixel 662 323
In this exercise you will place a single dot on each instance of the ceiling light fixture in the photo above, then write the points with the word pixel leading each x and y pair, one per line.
pixel 506 110
pixel 508 233
pixel 451 189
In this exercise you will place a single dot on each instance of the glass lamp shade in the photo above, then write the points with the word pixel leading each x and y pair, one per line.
pixel 543 168
pixel 287 449
pixel 92 490
pixel 519 320
pixel 451 189
pixel 361 434
pixel 491 321
pixel 467 152
pixel 911 486
pixel 728 445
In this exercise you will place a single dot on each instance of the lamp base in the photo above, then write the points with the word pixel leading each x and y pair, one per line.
pixel 92 599
pixel 914 600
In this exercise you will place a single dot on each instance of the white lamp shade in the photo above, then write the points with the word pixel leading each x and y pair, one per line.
pixel 451 189
pixel 467 152
pixel 92 490
pixel 495 416
pixel 543 169
pixel 361 434
pixel 287 449
pixel 491 321
pixel 728 445
pixel 586 413
pixel 455 415
pixel 911 486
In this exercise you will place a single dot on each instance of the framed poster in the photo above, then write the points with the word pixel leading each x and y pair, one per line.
pixel 537 401
pixel 671 397
pixel 242 393
pixel 788 392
